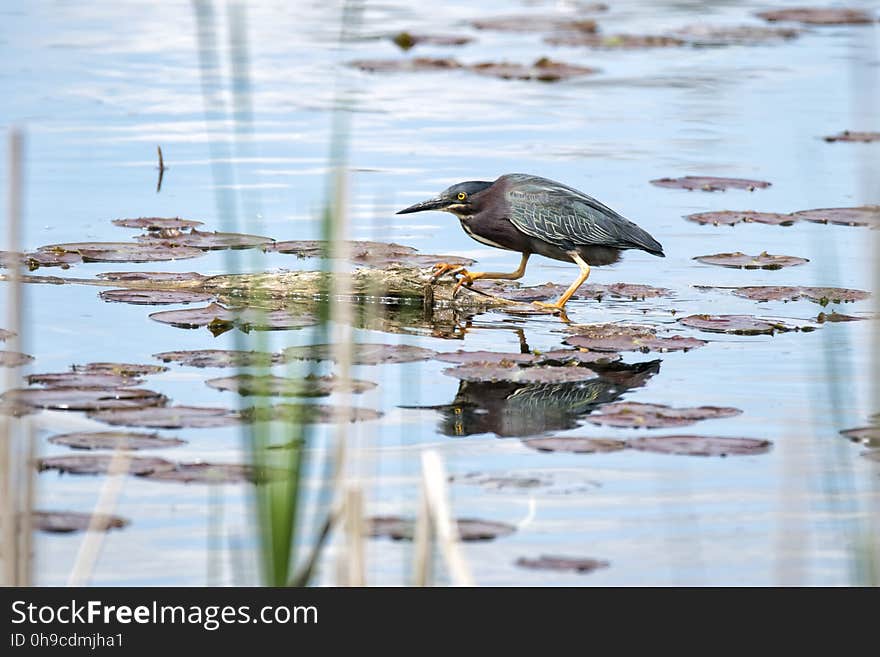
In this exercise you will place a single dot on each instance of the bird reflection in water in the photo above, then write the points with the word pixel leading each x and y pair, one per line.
pixel 515 409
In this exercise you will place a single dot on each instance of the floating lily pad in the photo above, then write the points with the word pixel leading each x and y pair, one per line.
pixel 833 316
pixel 155 297
pixel 358 248
pixel 364 353
pixel 820 295
pixel 763 260
pixel 114 440
pixel 279 386
pixel 576 356
pixel 866 215
pixel 65 522
pixel 469 529
pixel 14 359
pixel 407 40
pixel 732 217
pixel 92 464
pixel 124 251
pixel 169 417
pixel 729 35
pixel 151 276
pixel 737 324
pixel 485 357
pixel 209 241
pixel 618 337
pixel 616 41
pixel 514 374
pixel 710 183
pixel 219 319
pixel 157 223
pixel 121 369
pixel 701 445
pixel 81 380
pixel 575 445
pixel 207 473
pixel 84 399
pixel 632 291
pixel 406 65
pixel 635 415
pixel 819 16
pixel 386 258
pixel 219 358
pixel 854 137
pixel 535 23
pixel 36 259
pixel 5 335
pixel 868 436
pixel 544 70
pixel 308 413
pixel 577 564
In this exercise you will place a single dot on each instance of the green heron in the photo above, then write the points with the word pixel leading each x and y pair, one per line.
pixel 529 214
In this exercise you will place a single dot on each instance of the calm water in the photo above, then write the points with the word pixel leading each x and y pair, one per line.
pixel 97 86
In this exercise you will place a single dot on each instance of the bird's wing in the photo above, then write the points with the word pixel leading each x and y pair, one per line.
pixel 566 217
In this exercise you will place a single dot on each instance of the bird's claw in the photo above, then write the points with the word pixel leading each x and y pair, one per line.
pixel 555 307
pixel 444 268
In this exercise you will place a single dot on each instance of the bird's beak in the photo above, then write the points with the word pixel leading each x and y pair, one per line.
pixel 431 204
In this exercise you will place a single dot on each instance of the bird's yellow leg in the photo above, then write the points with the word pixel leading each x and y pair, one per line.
pixel 585 273
pixel 468 277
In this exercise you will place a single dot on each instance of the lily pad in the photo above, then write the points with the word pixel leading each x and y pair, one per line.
pixel 155 297
pixel 157 223
pixel 169 417
pixel 219 319
pixel 710 183
pixel 866 215
pixel 635 415
pixel 121 369
pixel 406 65
pixel 729 35
pixel 701 445
pixel 308 413
pixel 868 436
pixel 14 359
pixel 577 357
pixel 763 260
pixel 84 399
pixel 633 291
pixel 92 464
pixel 358 248
pixel 535 23
pixel 114 440
pixel 220 358
pixel 151 276
pixel 514 374
pixel 854 137
pixel 363 353
pixel 469 529
pixel 407 40
pixel 279 386
pixel 820 295
pixel 66 522
pixel 81 380
pixel 737 324
pixel 207 473
pixel 209 241
pixel 733 217
pixel 124 251
pixel 575 445
pixel 819 16
pixel 577 564
pixel 544 70
pixel 619 337
pixel 36 259
pixel 616 41
pixel 485 357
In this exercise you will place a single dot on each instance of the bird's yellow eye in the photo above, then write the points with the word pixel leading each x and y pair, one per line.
pixel 462 196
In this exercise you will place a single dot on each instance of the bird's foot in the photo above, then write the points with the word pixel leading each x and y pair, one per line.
pixel 554 307
pixel 443 268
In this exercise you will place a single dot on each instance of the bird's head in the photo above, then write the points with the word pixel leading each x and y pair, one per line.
pixel 462 199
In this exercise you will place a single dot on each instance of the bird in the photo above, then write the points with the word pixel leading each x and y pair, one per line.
pixel 537 216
